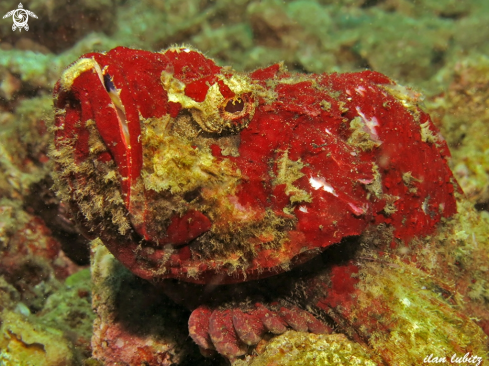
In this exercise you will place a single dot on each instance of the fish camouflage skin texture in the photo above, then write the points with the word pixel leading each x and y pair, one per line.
pixel 194 174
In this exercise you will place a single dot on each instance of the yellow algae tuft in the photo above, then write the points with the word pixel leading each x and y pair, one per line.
pixel 360 136
pixel 78 68
pixel 288 171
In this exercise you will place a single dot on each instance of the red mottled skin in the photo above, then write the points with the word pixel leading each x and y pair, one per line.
pixel 400 178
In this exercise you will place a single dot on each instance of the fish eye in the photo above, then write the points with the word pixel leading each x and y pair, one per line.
pixel 237 112
pixel 237 107
pixel 234 105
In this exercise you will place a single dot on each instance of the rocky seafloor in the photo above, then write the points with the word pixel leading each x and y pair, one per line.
pixel 438 47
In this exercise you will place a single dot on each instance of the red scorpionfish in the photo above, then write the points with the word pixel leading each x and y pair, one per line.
pixel 196 175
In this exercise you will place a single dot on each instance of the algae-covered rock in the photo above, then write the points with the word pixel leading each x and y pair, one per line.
pixel 135 323
pixel 406 315
pixel 30 258
pixel 23 342
pixel 38 72
pixel 464 119
pixel 305 349
pixel 23 146
pixel 70 311
pixel 9 296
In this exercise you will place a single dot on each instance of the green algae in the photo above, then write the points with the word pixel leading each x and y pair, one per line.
pixel 464 121
pixel 53 336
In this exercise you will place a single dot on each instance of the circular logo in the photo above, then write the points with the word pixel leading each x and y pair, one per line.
pixel 20 17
